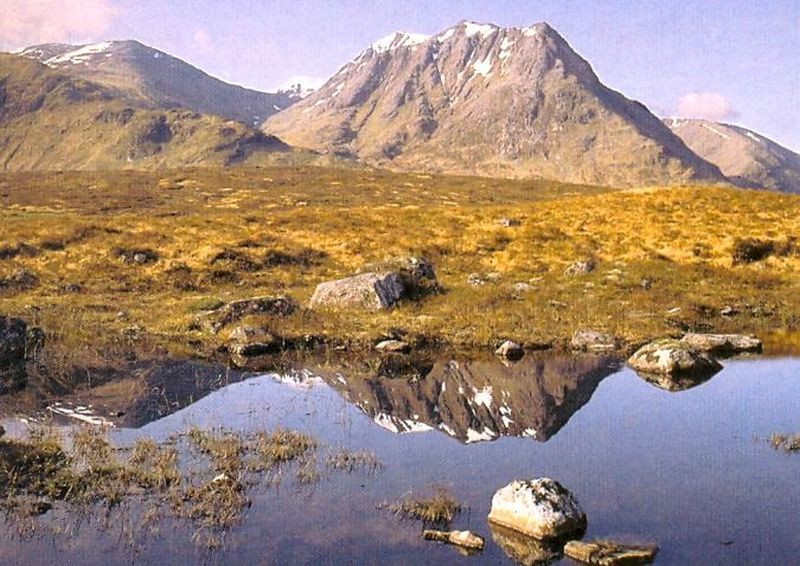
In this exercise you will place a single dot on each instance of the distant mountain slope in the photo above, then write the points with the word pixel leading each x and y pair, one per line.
pixel 492 101
pixel 745 157
pixel 52 120
pixel 160 79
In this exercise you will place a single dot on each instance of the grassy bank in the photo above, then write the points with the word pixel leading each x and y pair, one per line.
pixel 111 264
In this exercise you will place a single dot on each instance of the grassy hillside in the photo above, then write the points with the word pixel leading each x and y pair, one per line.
pixel 667 259
pixel 51 121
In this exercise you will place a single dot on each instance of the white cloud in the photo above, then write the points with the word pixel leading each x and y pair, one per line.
pixel 201 39
pixel 26 22
pixel 706 105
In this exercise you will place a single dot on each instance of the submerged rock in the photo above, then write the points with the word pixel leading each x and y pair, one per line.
pixel 609 553
pixel 540 508
pixel 369 291
pixel 723 344
pixel 673 358
pixel 13 341
pixel 464 539
pixel 522 549
pixel 591 341
pixel 393 346
pixel 510 350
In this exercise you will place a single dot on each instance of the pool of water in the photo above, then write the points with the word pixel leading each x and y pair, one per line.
pixel 689 470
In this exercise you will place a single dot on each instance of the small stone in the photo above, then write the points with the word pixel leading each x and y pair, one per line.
pixel 724 344
pixel 646 283
pixel 729 311
pixel 580 268
pixel 609 553
pixel 510 350
pixel 591 341
pixel 509 222
pixel 475 280
pixel 522 287
pixel 393 346
pixel 540 508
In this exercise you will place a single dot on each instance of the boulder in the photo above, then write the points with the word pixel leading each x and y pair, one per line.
pixel 249 342
pixel 369 291
pixel 540 508
pixel 608 553
pixel 510 350
pixel 236 310
pixel 393 346
pixel 417 275
pixel 591 341
pixel 723 344
pixel 13 341
pixel 674 359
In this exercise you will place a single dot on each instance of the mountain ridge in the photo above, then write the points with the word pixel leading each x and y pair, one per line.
pixel 480 99
pixel 159 79
pixel 749 159
pixel 51 120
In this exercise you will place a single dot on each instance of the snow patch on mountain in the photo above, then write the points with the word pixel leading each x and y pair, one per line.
pixel 484 67
pixel 397 40
pixel 80 55
pixel 472 29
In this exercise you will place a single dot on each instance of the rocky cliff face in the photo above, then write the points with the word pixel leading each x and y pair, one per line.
pixel 481 99
pixel 748 159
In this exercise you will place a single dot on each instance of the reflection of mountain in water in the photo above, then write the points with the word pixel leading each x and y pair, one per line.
pixel 149 392
pixel 482 400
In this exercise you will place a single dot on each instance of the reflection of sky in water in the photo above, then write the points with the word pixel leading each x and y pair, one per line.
pixel 686 470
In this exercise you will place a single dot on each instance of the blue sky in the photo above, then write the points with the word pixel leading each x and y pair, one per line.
pixel 736 61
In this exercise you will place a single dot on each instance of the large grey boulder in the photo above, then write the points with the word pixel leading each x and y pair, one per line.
pixel 540 508
pixel 723 344
pixel 369 291
pixel 591 341
pixel 13 339
pixel 673 358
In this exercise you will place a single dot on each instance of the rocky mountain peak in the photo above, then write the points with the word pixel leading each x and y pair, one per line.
pixel 481 99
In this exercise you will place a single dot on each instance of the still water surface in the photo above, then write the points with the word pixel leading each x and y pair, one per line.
pixel 689 470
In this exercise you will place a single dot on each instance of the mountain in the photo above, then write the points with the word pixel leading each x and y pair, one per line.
pixel 748 159
pixel 479 99
pixel 160 79
pixel 53 120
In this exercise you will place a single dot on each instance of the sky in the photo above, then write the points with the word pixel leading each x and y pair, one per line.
pixel 735 61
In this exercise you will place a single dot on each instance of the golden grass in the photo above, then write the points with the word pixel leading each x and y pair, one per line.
pixel 665 256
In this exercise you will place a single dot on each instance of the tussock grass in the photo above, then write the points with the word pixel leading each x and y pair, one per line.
pixel 437 508
pixel 789 443
pixel 218 236
pixel 212 490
